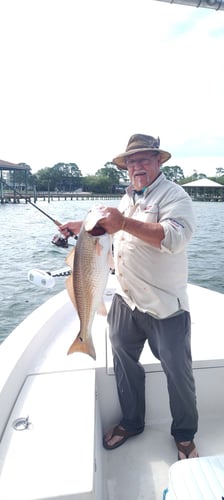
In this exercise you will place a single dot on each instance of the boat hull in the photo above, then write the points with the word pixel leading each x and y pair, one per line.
pixel 68 402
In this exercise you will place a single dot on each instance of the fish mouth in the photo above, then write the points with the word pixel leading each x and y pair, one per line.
pixel 97 230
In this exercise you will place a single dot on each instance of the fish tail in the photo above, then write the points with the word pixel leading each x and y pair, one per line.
pixel 85 346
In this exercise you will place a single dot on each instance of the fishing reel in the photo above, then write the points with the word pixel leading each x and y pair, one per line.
pixel 60 241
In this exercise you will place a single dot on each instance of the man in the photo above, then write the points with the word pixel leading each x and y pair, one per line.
pixel 151 230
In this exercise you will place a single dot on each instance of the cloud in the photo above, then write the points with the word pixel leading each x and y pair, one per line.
pixel 78 78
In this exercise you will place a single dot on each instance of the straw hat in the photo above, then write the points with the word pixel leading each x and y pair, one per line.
pixel 138 143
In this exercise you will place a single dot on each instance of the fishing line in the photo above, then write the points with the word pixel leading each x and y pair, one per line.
pixel 58 240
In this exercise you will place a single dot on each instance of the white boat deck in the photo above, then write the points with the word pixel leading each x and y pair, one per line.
pixel 62 402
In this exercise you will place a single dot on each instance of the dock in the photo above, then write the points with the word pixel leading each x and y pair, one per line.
pixel 11 197
pixel 15 197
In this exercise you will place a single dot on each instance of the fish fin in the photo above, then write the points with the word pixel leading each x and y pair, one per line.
pixel 85 346
pixel 70 258
pixel 70 290
pixel 102 309
pixel 98 248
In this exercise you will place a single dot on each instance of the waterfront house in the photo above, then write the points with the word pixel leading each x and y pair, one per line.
pixel 205 190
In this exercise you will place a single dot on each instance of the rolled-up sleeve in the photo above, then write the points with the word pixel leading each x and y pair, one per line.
pixel 178 224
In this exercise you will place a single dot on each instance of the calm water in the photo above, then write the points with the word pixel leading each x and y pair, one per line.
pixel 26 243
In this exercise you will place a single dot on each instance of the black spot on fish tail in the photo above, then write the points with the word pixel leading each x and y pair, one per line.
pixel 82 345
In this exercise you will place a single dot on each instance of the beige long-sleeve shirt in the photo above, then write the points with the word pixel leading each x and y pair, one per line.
pixel 155 280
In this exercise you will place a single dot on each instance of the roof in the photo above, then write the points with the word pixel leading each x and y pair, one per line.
pixel 204 182
pixel 7 165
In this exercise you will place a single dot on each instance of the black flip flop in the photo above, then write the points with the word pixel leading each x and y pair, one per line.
pixel 118 431
pixel 185 449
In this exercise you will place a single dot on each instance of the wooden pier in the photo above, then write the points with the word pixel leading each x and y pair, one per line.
pixel 11 197
pixel 14 197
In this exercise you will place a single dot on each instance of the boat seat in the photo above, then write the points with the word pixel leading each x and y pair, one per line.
pixel 197 479
pixel 60 427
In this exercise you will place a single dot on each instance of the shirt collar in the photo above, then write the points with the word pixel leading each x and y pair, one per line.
pixel 132 192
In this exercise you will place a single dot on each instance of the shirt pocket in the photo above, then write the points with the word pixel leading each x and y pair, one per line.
pixel 149 212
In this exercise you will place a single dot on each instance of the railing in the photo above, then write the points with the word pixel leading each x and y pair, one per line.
pixel 11 197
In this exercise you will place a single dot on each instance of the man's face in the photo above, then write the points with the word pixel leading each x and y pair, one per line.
pixel 143 168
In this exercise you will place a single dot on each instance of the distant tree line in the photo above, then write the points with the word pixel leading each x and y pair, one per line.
pixel 176 174
pixel 67 177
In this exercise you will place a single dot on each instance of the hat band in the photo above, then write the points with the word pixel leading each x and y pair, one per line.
pixel 136 145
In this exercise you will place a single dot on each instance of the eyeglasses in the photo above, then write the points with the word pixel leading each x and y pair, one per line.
pixel 144 162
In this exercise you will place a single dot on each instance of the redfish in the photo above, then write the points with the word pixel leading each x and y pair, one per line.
pixel 90 261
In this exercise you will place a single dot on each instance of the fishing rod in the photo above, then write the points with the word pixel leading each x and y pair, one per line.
pixel 31 203
pixel 60 241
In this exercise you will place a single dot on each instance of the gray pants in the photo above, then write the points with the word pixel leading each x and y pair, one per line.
pixel 169 340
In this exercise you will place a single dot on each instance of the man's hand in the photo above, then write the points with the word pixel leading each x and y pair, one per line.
pixel 112 220
pixel 71 227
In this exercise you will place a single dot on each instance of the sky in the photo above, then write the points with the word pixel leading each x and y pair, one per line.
pixel 79 77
